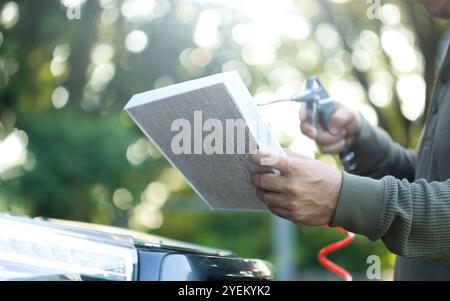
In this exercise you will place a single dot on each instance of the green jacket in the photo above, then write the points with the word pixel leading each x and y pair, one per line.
pixel 402 196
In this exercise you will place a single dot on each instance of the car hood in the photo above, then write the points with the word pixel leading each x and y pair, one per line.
pixel 142 239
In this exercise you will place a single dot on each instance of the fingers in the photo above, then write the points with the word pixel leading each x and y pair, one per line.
pixel 334 148
pixel 325 138
pixel 281 212
pixel 275 202
pixel 271 160
pixel 341 118
pixel 269 182
pixel 337 128
pixel 272 199
pixel 334 141
pixel 303 113
pixel 306 128
pixel 331 144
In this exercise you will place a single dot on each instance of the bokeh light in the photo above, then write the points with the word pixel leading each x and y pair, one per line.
pixel 86 70
pixel 136 41
pixel 60 97
pixel 13 150
pixel 9 15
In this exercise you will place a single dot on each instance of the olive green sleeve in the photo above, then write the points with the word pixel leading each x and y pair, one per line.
pixel 378 156
pixel 412 219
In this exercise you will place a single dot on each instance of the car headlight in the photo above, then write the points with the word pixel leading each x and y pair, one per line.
pixel 32 249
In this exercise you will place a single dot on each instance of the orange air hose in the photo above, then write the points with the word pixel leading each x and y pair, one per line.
pixel 331 266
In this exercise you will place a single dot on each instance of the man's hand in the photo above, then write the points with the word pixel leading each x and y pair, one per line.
pixel 306 192
pixel 345 125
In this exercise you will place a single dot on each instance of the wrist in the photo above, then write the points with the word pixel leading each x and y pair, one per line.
pixel 357 212
pixel 335 193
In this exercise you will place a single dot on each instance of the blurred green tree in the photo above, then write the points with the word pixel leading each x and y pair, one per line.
pixel 68 151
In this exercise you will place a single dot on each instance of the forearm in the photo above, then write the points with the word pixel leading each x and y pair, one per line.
pixel 413 219
pixel 377 155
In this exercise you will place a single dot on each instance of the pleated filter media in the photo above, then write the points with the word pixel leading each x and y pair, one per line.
pixel 219 107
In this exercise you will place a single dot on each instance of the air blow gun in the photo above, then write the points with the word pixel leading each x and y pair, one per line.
pixel 320 110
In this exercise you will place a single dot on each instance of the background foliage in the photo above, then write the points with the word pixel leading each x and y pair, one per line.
pixel 67 150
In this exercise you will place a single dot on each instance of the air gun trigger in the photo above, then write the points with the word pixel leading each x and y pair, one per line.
pixel 313 114
pixel 326 111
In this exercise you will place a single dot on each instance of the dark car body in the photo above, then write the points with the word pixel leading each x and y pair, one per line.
pixel 153 258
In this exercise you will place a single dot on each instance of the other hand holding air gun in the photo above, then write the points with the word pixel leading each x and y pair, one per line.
pixel 317 122
pixel 330 125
